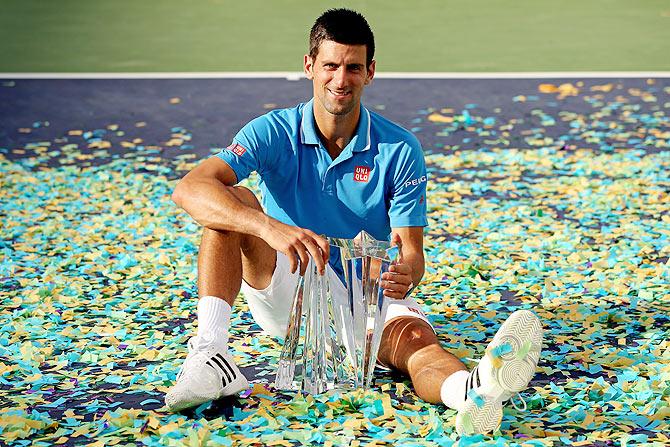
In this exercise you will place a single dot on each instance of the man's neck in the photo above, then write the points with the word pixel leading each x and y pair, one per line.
pixel 336 131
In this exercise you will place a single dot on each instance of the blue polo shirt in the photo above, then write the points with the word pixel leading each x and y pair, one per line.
pixel 378 181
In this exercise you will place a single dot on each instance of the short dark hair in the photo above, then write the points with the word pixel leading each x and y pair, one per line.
pixel 342 26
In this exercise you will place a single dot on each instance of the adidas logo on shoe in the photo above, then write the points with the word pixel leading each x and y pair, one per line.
pixel 208 373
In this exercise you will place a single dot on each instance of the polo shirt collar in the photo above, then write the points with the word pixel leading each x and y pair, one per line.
pixel 360 141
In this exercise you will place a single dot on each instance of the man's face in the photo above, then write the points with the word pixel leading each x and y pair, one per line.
pixel 339 75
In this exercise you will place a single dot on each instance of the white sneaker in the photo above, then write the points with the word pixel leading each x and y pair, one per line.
pixel 506 369
pixel 208 373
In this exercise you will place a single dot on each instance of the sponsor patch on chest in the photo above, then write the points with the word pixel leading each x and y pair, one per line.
pixel 362 174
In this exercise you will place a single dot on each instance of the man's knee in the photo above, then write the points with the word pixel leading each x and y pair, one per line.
pixel 401 338
pixel 409 330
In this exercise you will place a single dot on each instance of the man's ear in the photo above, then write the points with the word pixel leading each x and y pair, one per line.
pixel 308 66
pixel 371 72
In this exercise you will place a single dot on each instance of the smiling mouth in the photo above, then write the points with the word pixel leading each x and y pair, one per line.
pixel 339 94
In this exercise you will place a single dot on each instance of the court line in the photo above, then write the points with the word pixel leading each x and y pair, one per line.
pixel 294 76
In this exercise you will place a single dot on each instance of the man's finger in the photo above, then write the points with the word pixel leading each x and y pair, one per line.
pixel 397 278
pixel 304 259
pixel 404 278
pixel 314 251
pixel 397 287
pixel 293 261
pixel 402 269
pixel 323 244
pixel 395 295
pixel 325 249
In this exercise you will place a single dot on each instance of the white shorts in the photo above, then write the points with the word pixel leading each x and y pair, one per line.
pixel 271 306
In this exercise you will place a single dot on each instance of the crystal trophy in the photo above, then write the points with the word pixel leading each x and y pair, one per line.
pixel 332 339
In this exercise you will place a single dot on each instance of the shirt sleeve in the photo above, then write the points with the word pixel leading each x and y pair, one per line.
pixel 252 148
pixel 408 194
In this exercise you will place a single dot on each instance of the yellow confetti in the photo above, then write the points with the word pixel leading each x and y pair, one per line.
pixel 603 88
pixel 437 118
pixel 547 88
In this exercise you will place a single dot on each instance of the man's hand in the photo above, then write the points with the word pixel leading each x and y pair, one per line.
pixel 298 244
pixel 399 279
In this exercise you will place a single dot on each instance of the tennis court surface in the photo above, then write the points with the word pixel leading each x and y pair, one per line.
pixel 550 194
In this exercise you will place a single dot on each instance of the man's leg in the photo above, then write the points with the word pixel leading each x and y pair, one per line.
pixel 209 371
pixel 410 346
pixel 224 257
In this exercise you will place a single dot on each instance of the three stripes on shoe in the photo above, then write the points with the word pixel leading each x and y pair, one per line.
pixel 471 383
pixel 228 375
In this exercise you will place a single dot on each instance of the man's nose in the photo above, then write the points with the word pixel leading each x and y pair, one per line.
pixel 339 78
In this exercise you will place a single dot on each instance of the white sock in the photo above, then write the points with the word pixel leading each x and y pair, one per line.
pixel 452 391
pixel 213 320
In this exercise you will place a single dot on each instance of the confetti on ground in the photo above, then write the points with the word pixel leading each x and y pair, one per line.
pixel 550 208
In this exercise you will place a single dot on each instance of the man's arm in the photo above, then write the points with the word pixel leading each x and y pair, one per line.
pixel 409 271
pixel 205 194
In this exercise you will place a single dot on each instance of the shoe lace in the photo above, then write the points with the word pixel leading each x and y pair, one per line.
pixel 180 372
pixel 473 382
pixel 519 397
pixel 191 348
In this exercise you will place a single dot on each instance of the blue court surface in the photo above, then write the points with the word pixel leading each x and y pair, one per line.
pixel 546 194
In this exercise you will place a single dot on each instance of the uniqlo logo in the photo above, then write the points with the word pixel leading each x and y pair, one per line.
pixel 237 149
pixel 362 173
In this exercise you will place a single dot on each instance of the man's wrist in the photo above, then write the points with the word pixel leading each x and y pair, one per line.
pixel 262 225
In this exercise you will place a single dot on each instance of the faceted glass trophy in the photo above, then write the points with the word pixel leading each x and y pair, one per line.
pixel 332 340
